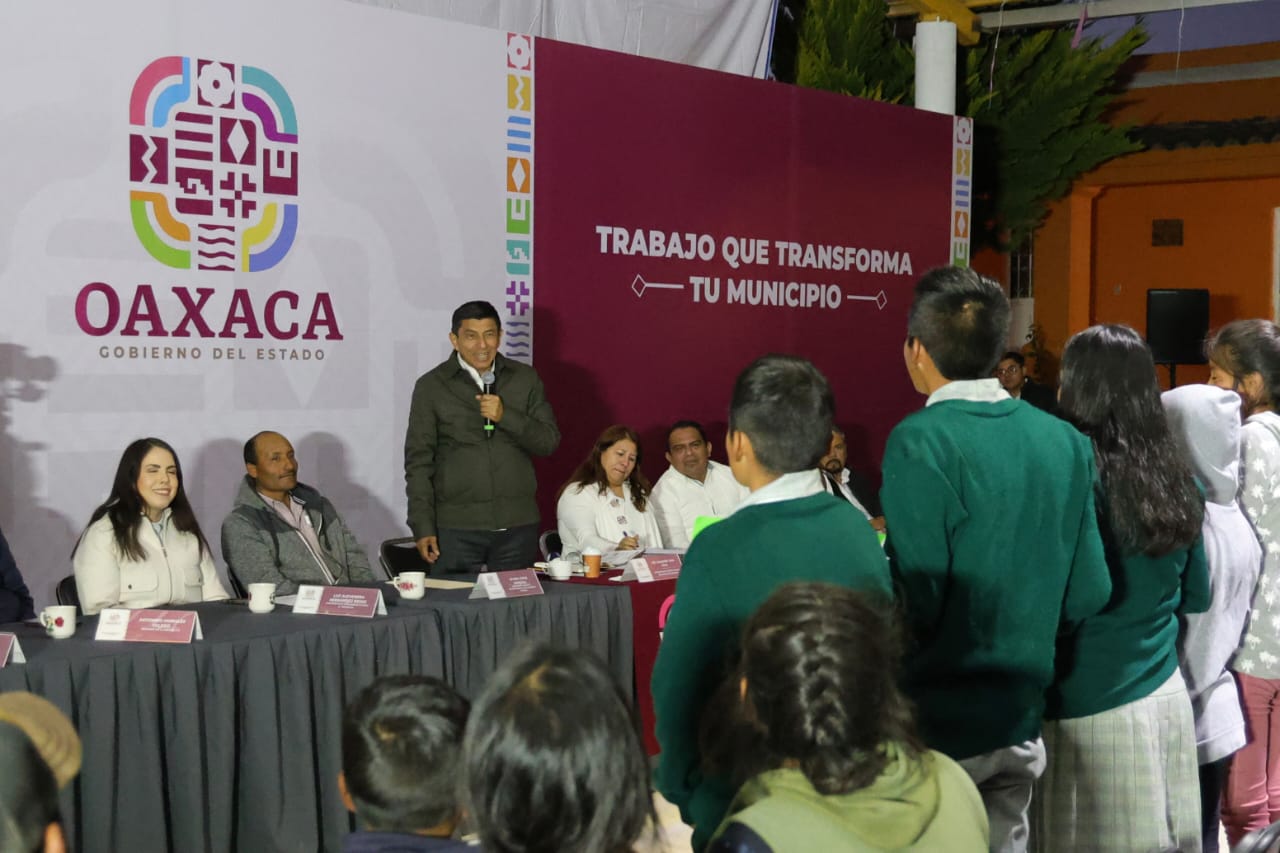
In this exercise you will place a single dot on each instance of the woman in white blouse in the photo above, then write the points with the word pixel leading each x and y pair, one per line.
pixel 606 504
pixel 144 547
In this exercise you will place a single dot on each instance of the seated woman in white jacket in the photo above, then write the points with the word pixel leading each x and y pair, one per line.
pixel 144 547
pixel 606 504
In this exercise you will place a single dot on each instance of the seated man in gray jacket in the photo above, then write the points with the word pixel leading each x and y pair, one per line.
pixel 285 532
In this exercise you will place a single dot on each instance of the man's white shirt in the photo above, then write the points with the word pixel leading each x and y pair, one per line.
pixel 845 491
pixel 680 500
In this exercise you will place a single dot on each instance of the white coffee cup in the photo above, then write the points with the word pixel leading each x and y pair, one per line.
pixel 560 569
pixel 262 597
pixel 59 620
pixel 411 584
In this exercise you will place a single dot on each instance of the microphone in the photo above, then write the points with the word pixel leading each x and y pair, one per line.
pixel 487 378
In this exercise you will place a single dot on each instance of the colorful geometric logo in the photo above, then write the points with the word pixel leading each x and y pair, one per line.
pixel 213 165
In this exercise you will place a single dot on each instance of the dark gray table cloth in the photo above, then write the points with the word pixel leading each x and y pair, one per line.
pixel 233 742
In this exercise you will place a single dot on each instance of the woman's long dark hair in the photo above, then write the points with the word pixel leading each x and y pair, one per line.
pixel 124 505
pixel 1109 392
pixel 554 760
pixel 591 472
pixel 821 669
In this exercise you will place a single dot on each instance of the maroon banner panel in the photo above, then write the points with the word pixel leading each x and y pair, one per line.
pixel 688 221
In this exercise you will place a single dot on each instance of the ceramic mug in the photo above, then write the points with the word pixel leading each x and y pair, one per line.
pixel 411 584
pixel 560 569
pixel 59 621
pixel 262 597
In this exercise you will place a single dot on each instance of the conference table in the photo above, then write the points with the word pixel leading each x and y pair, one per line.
pixel 649 605
pixel 233 742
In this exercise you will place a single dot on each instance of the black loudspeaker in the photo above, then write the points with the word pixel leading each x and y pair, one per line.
pixel 1177 324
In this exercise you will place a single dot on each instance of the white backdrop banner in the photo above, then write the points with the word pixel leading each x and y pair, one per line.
pixel 220 217
pixel 724 35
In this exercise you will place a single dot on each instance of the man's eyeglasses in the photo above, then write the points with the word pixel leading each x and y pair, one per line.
pixel 1007 371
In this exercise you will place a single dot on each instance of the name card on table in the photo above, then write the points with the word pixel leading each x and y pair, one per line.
pixel 652 567
pixel 10 650
pixel 513 584
pixel 360 601
pixel 148 626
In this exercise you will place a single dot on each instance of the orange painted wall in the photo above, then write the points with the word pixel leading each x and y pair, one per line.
pixel 1052 279
pixel 1093 255
pixel 1200 101
pixel 1227 248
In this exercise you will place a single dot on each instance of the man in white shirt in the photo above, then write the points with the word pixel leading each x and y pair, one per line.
pixel 692 486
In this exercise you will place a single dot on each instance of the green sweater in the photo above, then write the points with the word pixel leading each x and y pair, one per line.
pixel 993 542
pixel 1129 649
pixel 729 571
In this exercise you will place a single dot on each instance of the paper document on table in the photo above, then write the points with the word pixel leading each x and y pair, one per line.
pixel 441 583
pixel 616 559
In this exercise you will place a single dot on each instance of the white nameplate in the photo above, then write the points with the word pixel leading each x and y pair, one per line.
pixel 360 601
pixel 10 650
pixel 512 584
pixel 652 567
pixel 148 626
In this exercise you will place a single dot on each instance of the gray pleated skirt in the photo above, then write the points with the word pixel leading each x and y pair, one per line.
pixel 1122 781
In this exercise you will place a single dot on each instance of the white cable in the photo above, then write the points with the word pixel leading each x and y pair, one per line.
pixel 991 77
pixel 1177 59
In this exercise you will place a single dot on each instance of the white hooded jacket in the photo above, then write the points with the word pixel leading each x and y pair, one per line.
pixel 1206 424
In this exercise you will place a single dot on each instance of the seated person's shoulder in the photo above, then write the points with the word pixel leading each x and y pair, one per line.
pixel 241 516
pixel 739 838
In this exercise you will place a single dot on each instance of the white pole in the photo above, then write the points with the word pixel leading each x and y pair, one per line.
pixel 936 66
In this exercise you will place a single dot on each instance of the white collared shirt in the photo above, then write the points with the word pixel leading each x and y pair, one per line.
pixel 788 487
pixel 842 483
pixel 475 374
pixel 679 501
pixel 974 390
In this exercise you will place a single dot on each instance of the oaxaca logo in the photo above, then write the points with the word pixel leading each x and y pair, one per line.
pixel 213 165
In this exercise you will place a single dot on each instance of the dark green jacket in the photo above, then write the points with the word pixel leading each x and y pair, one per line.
pixel 1129 649
pixel 729 571
pixel 457 478
pixel 994 544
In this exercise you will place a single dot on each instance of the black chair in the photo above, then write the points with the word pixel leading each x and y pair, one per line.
pixel 401 555
pixel 1265 840
pixel 549 543
pixel 66 592
pixel 237 589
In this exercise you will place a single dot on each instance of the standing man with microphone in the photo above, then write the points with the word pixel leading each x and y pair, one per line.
pixel 475 421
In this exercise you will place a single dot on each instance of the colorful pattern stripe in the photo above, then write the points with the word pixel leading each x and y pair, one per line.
pixel 961 189
pixel 517 323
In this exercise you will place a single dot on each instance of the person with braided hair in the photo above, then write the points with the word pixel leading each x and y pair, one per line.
pixel 826 742
pixel 788 529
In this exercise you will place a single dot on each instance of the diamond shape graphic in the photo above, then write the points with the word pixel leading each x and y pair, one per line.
pixel 238 141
